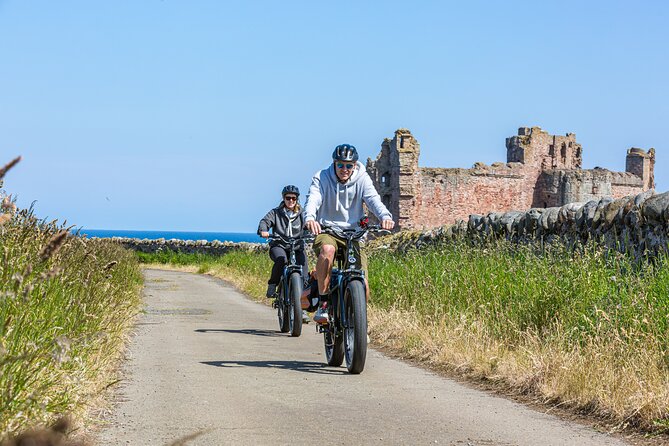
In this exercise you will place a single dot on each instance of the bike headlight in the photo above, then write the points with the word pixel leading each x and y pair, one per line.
pixel 352 260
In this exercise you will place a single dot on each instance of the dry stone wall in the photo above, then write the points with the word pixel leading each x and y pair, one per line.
pixel 637 224
pixel 186 246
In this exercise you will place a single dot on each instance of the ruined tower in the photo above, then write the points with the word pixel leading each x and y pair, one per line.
pixel 538 150
pixel 642 164
pixel 395 174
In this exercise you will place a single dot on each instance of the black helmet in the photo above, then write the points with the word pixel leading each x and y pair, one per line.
pixel 345 152
pixel 290 189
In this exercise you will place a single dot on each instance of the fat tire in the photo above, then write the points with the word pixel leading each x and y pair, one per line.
pixel 334 350
pixel 355 331
pixel 294 297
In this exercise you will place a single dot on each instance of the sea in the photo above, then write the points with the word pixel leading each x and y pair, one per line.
pixel 180 235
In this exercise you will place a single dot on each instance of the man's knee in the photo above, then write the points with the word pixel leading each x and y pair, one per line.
pixel 328 252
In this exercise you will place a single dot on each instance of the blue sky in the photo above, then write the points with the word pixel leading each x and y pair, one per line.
pixel 191 115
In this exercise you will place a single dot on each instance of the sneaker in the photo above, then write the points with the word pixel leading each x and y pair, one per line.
pixel 321 315
pixel 305 317
pixel 271 290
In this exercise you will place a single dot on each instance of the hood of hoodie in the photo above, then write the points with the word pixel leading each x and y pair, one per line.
pixel 288 222
pixel 346 191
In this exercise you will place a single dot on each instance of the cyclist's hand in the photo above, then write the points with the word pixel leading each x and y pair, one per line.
pixel 387 224
pixel 264 234
pixel 313 226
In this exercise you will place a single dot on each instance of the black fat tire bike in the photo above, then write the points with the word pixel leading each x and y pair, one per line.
pixel 345 334
pixel 289 290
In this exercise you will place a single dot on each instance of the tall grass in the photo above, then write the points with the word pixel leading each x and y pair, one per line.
pixel 65 306
pixel 588 329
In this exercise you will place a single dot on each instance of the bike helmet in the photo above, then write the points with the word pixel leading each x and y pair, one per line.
pixel 290 189
pixel 345 152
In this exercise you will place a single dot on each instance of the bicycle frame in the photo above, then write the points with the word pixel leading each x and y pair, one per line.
pixel 289 269
pixel 345 334
pixel 344 274
pixel 290 244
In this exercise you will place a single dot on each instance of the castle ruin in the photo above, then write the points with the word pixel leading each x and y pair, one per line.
pixel 542 170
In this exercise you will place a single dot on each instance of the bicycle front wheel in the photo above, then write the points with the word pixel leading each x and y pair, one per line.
pixel 355 328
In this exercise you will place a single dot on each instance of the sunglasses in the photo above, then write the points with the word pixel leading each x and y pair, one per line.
pixel 287 198
pixel 342 165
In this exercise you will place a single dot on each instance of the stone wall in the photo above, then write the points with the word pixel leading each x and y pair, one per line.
pixel 186 246
pixel 542 170
pixel 637 224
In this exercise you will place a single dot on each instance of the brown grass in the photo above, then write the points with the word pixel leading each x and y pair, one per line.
pixel 600 379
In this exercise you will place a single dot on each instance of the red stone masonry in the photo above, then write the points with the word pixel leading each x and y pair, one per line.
pixel 542 170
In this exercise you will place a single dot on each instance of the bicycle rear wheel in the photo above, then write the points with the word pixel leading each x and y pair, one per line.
pixel 294 300
pixel 282 311
pixel 355 329
pixel 334 347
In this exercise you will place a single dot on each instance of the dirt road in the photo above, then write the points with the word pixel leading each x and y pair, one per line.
pixel 207 360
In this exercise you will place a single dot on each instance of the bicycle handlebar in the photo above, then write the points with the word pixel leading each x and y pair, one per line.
pixel 354 233
pixel 290 240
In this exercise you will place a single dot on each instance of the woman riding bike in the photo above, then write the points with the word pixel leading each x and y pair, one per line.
pixel 286 220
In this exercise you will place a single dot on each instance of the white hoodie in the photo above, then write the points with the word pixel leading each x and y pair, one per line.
pixel 333 203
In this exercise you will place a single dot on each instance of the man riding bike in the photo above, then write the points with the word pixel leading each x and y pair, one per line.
pixel 335 199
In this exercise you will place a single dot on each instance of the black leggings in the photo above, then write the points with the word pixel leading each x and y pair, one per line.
pixel 280 258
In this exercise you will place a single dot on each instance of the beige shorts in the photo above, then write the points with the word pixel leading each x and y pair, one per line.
pixel 328 239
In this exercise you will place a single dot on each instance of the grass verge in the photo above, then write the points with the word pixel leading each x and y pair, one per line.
pixel 66 305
